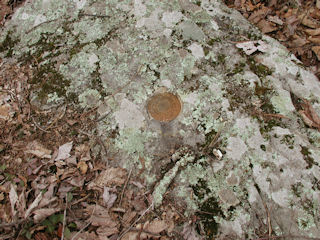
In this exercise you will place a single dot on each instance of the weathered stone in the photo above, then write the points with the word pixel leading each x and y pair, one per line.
pixel 114 55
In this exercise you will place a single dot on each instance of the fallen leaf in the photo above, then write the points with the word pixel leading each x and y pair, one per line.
pixel 316 50
pixel 258 15
pixel 41 214
pixel 250 47
pixel 108 198
pixel 64 151
pixel 109 177
pixel 275 19
pixel 313 32
pixel 315 39
pixel 83 167
pixel 13 196
pixel 128 217
pixel 308 22
pixel 71 160
pixel 107 231
pixel 1 196
pixel 5 112
pixel 33 205
pixel 156 226
pixel 318 4
pixel 77 181
pixel 38 150
pixel 297 42
pixel 266 27
pixel 189 232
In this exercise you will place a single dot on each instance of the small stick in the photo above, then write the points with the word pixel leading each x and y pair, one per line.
pixel 268 218
pixel 287 236
pixel 36 124
pixel 85 226
pixel 125 186
pixel 64 218
pixel 131 226
pixel 93 15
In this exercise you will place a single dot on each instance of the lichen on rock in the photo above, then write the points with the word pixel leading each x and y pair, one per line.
pixel 115 56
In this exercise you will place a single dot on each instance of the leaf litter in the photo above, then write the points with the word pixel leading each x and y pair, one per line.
pixel 295 24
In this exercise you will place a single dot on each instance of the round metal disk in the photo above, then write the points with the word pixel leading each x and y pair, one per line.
pixel 164 107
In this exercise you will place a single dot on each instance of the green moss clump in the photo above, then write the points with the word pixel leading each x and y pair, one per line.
pixel 239 68
pixel 288 140
pixel 212 41
pixel 208 210
pixel 8 44
pixel 47 80
pixel 306 156
pixel 259 69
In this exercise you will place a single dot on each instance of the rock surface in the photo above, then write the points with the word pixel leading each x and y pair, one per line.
pixel 239 144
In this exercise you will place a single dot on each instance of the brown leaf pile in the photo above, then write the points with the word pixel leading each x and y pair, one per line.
pixel 295 24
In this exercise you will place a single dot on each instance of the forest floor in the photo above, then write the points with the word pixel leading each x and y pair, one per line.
pixel 26 132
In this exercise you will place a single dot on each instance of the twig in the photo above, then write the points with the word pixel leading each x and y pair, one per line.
pixel 131 226
pixel 93 15
pixel 145 231
pixel 287 236
pixel 64 218
pixel 33 28
pixel 80 200
pixel 104 149
pixel 4 225
pixel 85 226
pixel 36 124
pixel 268 218
pixel 125 186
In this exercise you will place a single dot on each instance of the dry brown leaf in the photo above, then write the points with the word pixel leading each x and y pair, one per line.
pixel 64 151
pixel 275 19
pixel 266 26
pixel 308 22
pixel 156 226
pixel 13 196
pixel 313 32
pixel 256 16
pixel 33 205
pixel 316 50
pixel 77 181
pixel 38 150
pixel 297 42
pixel 1 196
pixel 108 198
pixel 109 177
pixel 128 217
pixel 315 39
pixel 41 214
pixel 5 112
pixel 318 4
pixel 189 232
pixel 83 167
pixel 309 115
pixel 107 231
